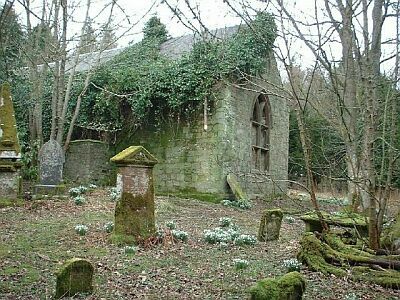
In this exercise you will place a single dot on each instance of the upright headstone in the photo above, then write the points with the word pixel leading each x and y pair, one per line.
pixel 10 152
pixel 134 211
pixel 75 276
pixel 270 225
pixel 51 161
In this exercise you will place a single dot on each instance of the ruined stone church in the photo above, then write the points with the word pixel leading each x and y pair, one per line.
pixel 245 133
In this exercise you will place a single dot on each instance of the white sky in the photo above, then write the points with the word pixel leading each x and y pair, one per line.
pixel 214 14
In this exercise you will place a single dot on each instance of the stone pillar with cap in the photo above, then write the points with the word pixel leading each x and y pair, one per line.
pixel 134 211
pixel 10 151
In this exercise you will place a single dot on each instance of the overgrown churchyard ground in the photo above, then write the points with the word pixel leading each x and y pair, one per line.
pixel 38 237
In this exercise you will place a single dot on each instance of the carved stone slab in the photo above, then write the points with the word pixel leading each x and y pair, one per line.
pixel 51 161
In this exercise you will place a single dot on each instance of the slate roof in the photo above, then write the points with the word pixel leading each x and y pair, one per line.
pixel 176 47
pixel 90 59
pixel 172 48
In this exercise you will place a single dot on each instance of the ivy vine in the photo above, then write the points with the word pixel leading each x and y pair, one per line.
pixel 149 83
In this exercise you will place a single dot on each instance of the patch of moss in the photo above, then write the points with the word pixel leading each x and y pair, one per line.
pixel 6 202
pixel 8 137
pixel 350 220
pixel 10 271
pixel 134 215
pixel 135 155
pixel 313 254
pixel 75 276
pixel 235 187
pixel 122 239
pixel 192 193
pixel 265 289
pixel 391 234
pixel 321 255
pixel 342 219
pixel 291 286
pixel 5 250
pixel 385 278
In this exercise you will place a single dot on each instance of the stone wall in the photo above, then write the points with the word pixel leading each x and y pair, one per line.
pixel 88 161
pixel 238 137
pixel 193 160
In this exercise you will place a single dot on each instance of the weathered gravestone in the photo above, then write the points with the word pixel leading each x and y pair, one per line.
pixel 270 225
pixel 51 160
pixel 134 211
pixel 235 187
pixel 75 276
pixel 10 152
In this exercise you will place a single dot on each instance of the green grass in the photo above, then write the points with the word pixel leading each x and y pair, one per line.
pixel 6 202
pixel 34 243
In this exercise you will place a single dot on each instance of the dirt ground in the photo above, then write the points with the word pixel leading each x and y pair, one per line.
pixel 37 237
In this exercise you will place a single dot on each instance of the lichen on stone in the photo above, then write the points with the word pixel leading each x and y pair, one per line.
pixel 235 187
pixel 75 276
pixel 8 130
pixel 134 217
pixel 135 155
pixel 270 225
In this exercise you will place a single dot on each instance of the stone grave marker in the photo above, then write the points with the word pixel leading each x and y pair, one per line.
pixel 51 160
pixel 75 276
pixel 10 152
pixel 270 225
pixel 134 211
pixel 235 187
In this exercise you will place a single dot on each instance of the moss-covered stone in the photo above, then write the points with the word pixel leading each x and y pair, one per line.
pixel 134 212
pixel 270 225
pixel 235 187
pixel 75 276
pixel 265 289
pixel 350 220
pixel 8 128
pixel 136 155
pixel 134 217
pixel 331 256
pixel 291 286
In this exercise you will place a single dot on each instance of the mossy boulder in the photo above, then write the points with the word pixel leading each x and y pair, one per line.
pixel 75 276
pixel 270 225
pixel 291 286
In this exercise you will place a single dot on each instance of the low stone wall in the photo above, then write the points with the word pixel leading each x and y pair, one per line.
pixel 88 161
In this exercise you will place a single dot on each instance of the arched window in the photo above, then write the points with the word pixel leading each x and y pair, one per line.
pixel 261 125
